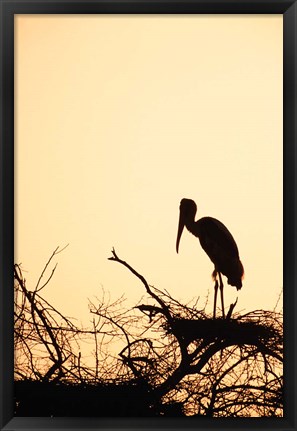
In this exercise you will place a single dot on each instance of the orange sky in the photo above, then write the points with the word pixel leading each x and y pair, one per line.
pixel 117 119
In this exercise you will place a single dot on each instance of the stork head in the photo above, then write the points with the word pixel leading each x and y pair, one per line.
pixel 187 211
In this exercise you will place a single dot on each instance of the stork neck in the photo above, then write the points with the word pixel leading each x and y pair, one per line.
pixel 193 227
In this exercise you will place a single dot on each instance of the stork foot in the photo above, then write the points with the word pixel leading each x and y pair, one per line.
pixel 215 297
pixel 222 296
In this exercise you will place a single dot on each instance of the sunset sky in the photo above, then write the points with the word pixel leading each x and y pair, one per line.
pixel 119 117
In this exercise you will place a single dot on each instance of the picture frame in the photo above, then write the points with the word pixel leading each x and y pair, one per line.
pixel 8 10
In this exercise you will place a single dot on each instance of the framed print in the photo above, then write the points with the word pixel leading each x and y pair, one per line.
pixel 148 207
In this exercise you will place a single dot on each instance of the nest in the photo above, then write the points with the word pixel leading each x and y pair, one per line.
pixel 237 331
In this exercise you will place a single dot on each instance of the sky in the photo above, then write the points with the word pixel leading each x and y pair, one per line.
pixel 119 117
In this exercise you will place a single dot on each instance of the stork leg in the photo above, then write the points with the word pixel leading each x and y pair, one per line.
pixel 222 296
pixel 214 274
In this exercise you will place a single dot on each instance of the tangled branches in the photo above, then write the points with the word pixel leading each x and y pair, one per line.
pixel 48 344
pixel 188 362
pixel 222 367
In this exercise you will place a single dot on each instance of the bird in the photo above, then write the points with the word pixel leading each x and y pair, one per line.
pixel 219 245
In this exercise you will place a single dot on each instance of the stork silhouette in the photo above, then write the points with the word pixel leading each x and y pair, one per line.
pixel 219 245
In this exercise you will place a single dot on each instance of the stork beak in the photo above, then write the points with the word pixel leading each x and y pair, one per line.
pixel 181 225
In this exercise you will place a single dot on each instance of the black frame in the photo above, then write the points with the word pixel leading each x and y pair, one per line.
pixel 7 10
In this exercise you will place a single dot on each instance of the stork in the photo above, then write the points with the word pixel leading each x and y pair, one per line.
pixel 219 245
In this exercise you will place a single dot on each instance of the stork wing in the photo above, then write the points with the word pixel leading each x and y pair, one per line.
pixel 214 235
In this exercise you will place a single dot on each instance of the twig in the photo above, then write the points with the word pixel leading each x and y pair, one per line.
pixel 145 283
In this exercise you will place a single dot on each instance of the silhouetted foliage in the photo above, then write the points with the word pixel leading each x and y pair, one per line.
pixel 173 359
pixel 37 398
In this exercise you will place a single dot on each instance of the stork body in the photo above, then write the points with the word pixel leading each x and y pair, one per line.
pixel 217 242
